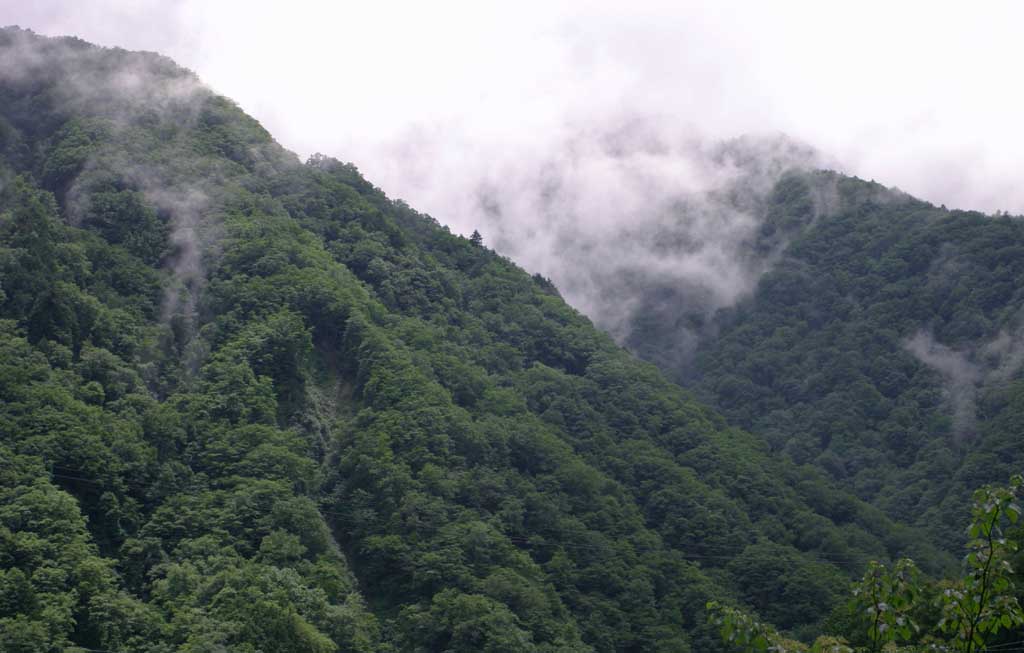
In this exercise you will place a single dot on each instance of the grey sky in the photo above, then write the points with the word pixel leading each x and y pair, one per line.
pixel 922 95
pixel 582 138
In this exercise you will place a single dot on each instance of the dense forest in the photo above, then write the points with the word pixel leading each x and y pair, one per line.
pixel 252 404
pixel 883 346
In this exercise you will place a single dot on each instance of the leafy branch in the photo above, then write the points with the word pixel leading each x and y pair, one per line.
pixel 974 608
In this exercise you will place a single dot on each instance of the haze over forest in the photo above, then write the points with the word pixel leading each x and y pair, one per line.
pixel 539 329
pixel 562 130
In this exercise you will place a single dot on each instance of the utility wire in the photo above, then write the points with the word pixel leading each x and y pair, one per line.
pixel 527 541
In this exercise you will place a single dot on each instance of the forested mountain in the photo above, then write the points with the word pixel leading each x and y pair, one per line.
pixel 252 404
pixel 883 345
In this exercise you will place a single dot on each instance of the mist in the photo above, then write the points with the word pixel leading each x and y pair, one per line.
pixel 178 185
pixel 632 206
pixel 917 95
pixel 968 371
pixel 586 141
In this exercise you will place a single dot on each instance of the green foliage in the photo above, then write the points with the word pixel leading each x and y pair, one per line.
pixel 743 631
pixel 252 404
pixel 972 609
pixel 123 218
pixel 885 600
pixel 983 602
pixel 820 361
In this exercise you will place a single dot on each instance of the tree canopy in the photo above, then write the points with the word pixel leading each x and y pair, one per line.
pixel 249 404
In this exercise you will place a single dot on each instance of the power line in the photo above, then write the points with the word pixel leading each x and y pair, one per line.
pixel 528 541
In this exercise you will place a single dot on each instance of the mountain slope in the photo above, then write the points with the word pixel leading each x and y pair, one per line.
pixel 883 345
pixel 249 402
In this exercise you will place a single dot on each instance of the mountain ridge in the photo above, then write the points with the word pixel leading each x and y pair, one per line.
pixel 882 346
pixel 253 402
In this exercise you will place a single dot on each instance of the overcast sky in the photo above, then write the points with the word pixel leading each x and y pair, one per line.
pixel 423 96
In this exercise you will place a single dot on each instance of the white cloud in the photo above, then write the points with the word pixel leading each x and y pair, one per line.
pixel 923 95
pixel 579 117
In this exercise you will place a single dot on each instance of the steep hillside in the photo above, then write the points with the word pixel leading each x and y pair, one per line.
pixel 248 403
pixel 883 345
